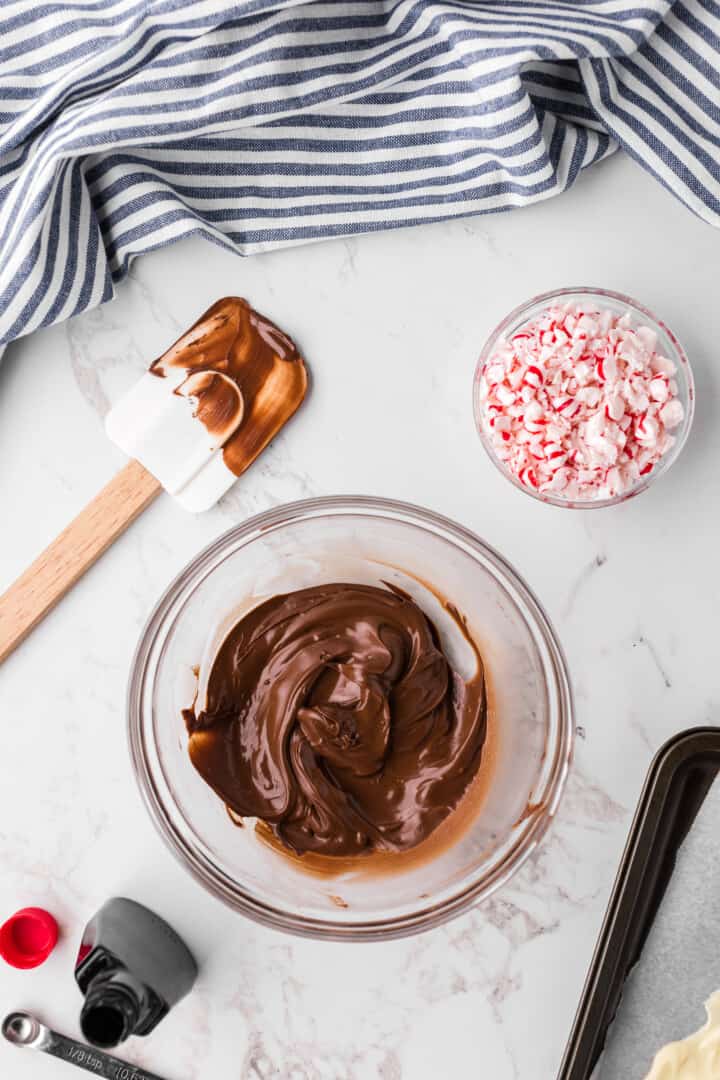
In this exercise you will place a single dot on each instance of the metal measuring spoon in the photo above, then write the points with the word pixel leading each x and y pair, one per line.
pixel 21 1029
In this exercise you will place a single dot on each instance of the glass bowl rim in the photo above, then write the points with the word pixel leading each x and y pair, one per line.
pixel 684 366
pixel 220 885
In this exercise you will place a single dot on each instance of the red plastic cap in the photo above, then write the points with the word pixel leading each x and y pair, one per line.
pixel 28 937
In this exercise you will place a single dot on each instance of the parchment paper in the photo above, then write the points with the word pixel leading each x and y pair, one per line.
pixel 680 964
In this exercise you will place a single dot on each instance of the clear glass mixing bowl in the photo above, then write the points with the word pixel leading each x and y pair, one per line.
pixel 530 713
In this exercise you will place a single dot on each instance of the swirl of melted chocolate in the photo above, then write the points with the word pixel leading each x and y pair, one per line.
pixel 333 715
pixel 245 377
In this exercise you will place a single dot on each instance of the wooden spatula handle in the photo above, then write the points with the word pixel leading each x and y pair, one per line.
pixel 66 559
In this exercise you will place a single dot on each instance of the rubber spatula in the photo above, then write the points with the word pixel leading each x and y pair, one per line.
pixel 192 424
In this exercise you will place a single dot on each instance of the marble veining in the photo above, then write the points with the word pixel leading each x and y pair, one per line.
pixel 391 325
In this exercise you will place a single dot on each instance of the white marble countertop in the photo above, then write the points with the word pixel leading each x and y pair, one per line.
pixel 391 324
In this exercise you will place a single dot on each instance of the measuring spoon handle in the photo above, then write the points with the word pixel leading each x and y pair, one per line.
pixel 92 1060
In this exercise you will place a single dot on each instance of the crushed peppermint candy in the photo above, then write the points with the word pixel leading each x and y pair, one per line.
pixel 579 404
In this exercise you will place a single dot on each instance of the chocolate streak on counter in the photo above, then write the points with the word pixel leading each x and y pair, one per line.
pixel 244 374
pixel 333 716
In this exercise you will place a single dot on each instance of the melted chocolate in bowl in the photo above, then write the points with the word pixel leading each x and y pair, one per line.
pixel 379 892
pixel 333 716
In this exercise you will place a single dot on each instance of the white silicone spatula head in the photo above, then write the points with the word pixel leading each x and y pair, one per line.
pixel 211 403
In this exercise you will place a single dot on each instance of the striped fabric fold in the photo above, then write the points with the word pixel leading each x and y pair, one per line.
pixel 127 124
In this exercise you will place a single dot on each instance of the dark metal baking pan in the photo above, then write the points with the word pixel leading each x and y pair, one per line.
pixel 677 783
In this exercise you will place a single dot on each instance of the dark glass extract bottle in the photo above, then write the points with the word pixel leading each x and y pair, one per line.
pixel 132 968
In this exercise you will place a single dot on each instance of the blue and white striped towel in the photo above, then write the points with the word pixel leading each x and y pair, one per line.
pixel 126 124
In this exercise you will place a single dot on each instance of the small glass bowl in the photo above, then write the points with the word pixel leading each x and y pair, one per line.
pixel 530 727
pixel 668 345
